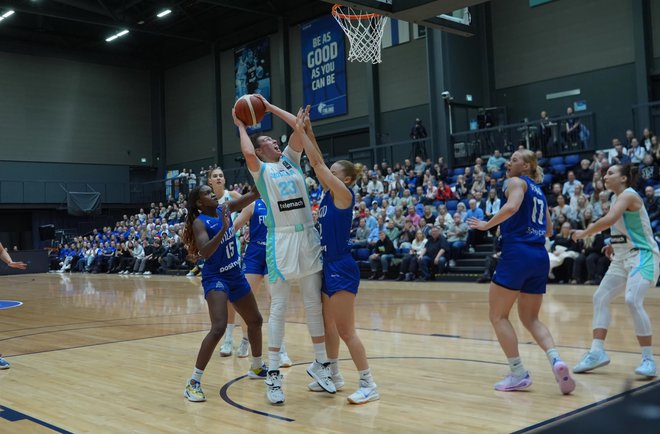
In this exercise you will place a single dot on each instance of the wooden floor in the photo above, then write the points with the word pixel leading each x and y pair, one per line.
pixel 108 353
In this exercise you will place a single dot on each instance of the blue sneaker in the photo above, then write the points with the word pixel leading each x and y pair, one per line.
pixel 592 360
pixel 258 373
pixel 4 364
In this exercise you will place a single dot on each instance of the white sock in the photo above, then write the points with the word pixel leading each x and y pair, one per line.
pixel 366 377
pixel 273 360
pixel 553 356
pixel 282 349
pixel 197 375
pixel 516 366
pixel 647 353
pixel 256 362
pixel 319 352
pixel 598 345
pixel 334 367
pixel 229 333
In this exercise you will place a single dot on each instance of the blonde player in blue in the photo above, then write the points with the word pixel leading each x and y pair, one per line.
pixel 293 246
pixel 633 270
pixel 341 275
pixel 522 272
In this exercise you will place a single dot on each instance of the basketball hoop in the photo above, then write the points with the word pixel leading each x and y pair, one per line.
pixel 364 31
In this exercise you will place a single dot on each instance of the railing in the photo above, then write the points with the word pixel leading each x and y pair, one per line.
pixel 552 138
pixel 392 152
pixel 639 111
pixel 36 191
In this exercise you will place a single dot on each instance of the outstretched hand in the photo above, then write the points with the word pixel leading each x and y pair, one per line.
pixel 577 235
pixel 17 265
pixel 300 120
pixel 239 123
pixel 263 99
pixel 474 223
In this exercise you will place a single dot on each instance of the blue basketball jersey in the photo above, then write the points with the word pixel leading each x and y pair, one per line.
pixel 258 229
pixel 528 225
pixel 335 227
pixel 225 256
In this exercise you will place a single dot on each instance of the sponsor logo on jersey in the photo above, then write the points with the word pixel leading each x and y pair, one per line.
pixel 291 204
pixel 619 239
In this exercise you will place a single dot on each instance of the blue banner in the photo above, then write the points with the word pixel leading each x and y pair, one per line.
pixel 252 71
pixel 324 68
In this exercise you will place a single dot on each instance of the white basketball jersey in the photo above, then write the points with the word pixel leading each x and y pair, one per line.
pixel 633 231
pixel 283 190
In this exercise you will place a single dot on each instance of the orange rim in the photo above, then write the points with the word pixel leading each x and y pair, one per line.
pixel 338 14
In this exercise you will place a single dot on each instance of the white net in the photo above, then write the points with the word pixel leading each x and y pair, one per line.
pixel 364 31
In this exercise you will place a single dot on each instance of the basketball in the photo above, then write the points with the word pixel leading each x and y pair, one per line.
pixel 250 109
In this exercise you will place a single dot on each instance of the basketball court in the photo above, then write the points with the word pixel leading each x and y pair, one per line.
pixel 116 351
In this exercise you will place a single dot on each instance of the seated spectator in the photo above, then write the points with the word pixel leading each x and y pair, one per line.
pixel 383 254
pixel 569 186
pixel 552 197
pixel 174 256
pixel 601 205
pixel 457 234
pixel 140 253
pixel 562 208
pixel 444 219
pixel 361 235
pixel 406 236
pixel 460 208
pixel 474 236
pixel 584 174
pixel 127 260
pixel 373 235
pixel 444 192
pixel 479 183
pixel 563 252
pixel 398 218
pixel 636 152
pixel 410 261
pixel 461 189
pixel 431 193
pixel 481 201
pixel 591 262
pixel 493 204
pixel 392 232
pixel 618 155
pixel 434 255
pixel 413 217
pixel 651 203
pixel 387 208
pixel 429 214
pixel 581 207
pixel 375 210
pixel 495 161
pixel 585 219
pixel 648 172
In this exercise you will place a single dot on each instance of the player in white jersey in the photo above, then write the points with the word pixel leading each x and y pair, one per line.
pixel 293 246
pixel 634 269
pixel 217 181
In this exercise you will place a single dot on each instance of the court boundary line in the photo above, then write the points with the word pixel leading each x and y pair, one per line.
pixel 10 415
pixel 587 407
pixel 225 397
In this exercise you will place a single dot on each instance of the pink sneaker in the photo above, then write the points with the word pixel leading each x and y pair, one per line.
pixel 511 383
pixel 563 376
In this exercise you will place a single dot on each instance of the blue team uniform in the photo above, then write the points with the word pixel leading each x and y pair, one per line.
pixel 254 260
pixel 340 271
pixel 222 270
pixel 524 264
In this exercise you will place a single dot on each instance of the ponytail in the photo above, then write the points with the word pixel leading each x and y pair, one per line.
pixel 631 172
pixel 535 171
pixel 193 213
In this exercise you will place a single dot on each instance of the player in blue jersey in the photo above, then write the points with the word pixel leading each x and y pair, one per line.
pixel 341 275
pixel 522 272
pixel 634 269
pixel 254 261
pixel 209 232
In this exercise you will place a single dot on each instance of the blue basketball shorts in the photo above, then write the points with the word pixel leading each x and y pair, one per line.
pixel 523 267
pixel 233 283
pixel 342 274
pixel 254 259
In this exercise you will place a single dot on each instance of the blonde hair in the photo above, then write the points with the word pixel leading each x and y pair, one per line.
pixel 353 171
pixel 535 171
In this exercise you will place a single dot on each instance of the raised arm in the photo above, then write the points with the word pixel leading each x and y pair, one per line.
pixel 247 148
pixel 244 216
pixel 236 205
pixel 205 246
pixel 287 117
pixel 340 194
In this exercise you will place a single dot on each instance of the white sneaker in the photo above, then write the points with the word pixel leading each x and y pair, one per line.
pixel 274 391
pixel 190 274
pixel 285 361
pixel 337 379
pixel 147 273
pixel 364 394
pixel 591 360
pixel 227 348
pixel 320 372
pixel 243 348
pixel 647 368
pixel 452 263
pixel 471 249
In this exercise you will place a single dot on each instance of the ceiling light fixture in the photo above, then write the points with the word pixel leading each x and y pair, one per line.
pixel 116 35
pixel 161 14
pixel 6 15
